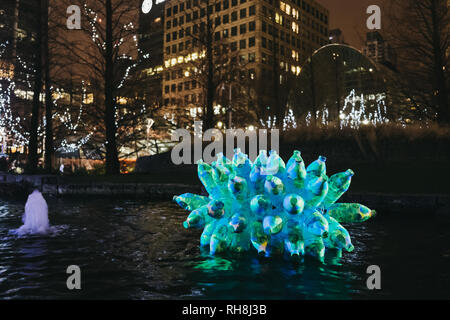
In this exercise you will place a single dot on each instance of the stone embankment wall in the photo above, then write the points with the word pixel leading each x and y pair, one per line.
pixel 22 185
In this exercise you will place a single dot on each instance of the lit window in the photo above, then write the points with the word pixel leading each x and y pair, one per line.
pixel 278 18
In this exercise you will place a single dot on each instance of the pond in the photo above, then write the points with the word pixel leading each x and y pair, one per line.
pixel 139 250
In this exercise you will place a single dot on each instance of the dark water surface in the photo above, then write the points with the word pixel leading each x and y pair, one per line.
pixel 139 250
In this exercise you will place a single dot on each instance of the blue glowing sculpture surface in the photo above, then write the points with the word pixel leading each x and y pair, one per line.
pixel 272 206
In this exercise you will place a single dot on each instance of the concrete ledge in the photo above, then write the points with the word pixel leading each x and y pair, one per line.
pixel 438 204
pixel 22 185
pixel 129 190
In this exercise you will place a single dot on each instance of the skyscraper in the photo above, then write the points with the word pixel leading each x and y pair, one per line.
pixel 379 50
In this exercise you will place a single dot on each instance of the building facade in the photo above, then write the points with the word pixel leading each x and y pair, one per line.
pixel 259 33
pixel 336 36
pixel 151 50
pixel 379 50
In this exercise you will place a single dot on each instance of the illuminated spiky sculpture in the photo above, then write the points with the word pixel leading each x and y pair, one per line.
pixel 272 206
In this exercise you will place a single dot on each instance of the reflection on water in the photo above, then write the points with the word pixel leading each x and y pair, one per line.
pixel 214 264
pixel 139 250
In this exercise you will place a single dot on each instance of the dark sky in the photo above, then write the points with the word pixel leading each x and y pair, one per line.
pixel 350 16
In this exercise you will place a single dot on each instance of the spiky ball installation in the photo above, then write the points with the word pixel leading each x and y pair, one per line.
pixel 272 206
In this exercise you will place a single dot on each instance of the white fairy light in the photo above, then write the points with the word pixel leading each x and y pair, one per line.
pixel 67 147
pixel 356 113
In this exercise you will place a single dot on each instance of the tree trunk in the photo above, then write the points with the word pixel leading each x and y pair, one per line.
pixel 210 88
pixel 32 162
pixel 49 147
pixel 338 92
pixel 15 30
pixel 276 84
pixel 112 157
pixel 439 72
pixel 313 93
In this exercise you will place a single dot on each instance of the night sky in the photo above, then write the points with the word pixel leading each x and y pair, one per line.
pixel 350 16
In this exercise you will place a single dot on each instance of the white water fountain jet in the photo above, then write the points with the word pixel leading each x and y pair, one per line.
pixel 35 219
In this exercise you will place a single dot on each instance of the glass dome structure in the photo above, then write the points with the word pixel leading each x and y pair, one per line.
pixel 340 85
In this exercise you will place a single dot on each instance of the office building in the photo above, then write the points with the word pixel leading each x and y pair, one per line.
pixel 260 33
pixel 379 50
pixel 336 36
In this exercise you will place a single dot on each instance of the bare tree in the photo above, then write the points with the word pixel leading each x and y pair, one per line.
pixel 140 119
pixel 17 58
pixel 203 38
pixel 33 157
pixel 107 50
pixel 419 31
pixel 217 65
pixel 49 139
pixel 275 87
pixel 36 63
